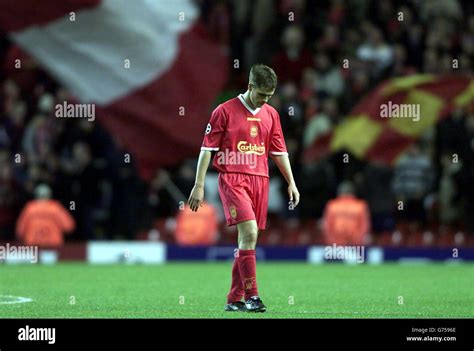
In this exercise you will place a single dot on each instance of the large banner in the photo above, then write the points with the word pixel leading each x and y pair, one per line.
pixel 393 116
pixel 148 66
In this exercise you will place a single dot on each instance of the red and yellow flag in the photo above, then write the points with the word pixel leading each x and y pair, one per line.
pixel 394 115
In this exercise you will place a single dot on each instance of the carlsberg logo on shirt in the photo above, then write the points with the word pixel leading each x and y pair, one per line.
pixel 246 148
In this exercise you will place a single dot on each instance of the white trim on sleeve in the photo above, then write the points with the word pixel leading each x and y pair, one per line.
pixel 278 153
pixel 204 148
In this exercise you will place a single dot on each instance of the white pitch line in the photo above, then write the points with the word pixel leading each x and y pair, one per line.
pixel 18 299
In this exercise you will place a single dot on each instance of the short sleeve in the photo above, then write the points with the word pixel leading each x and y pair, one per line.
pixel 215 130
pixel 277 146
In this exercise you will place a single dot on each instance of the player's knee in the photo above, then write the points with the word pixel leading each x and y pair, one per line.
pixel 249 238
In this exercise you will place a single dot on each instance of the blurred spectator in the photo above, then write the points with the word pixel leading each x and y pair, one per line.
pixel 330 40
pixel 346 219
pixel 318 184
pixel 79 177
pixel 449 211
pixel 165 195
pixel 293 57
pixel 374 187
pixel 291 111
pixel 43 222
pixel 375 52
pixel 445 8
pixel 321 123
pixel 400 66
pixel 413 180
pixel 37 139
pixel 328 80
pixel 11 133
pixel 10 197
pixel 126 205
pixel 359 84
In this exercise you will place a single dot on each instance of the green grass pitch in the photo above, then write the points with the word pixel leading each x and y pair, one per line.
pixel 198 290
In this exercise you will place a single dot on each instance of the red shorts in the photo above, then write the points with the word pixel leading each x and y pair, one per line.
pixel 244 197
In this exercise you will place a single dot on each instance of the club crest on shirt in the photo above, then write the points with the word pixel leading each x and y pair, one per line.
pixel 233 212
pixel 253 131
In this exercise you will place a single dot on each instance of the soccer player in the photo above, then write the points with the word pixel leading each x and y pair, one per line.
pixel 245 131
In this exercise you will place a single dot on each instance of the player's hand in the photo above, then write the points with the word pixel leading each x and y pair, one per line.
pixel 294 195
pixel 196 198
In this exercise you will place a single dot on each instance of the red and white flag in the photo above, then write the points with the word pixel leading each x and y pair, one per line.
pixel 148 65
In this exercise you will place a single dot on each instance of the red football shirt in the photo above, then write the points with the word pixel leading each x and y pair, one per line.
pixel 243 137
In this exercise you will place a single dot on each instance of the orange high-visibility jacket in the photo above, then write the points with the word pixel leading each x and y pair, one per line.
pixel 43 223
pixel 197 228
pixel 346 221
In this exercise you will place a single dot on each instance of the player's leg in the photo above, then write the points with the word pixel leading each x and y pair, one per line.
pixel 239 210
pixel 248 232
pixel 232 197
pixel 236 292
pixel 259 198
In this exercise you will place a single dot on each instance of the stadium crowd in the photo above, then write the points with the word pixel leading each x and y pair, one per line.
pixel 83 163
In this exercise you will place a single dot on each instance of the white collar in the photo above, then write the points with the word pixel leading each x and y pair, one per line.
pixel 242 100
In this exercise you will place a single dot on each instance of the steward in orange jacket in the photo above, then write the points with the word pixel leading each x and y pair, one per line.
pixel 43 222
pixel 346 218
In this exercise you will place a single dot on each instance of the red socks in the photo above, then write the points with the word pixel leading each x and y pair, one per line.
pixel 247 266
pixel 244 278
pixel 236 290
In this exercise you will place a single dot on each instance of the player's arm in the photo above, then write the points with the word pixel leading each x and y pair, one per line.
pixel 283 164
pixel 197 194
pixel 212 140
